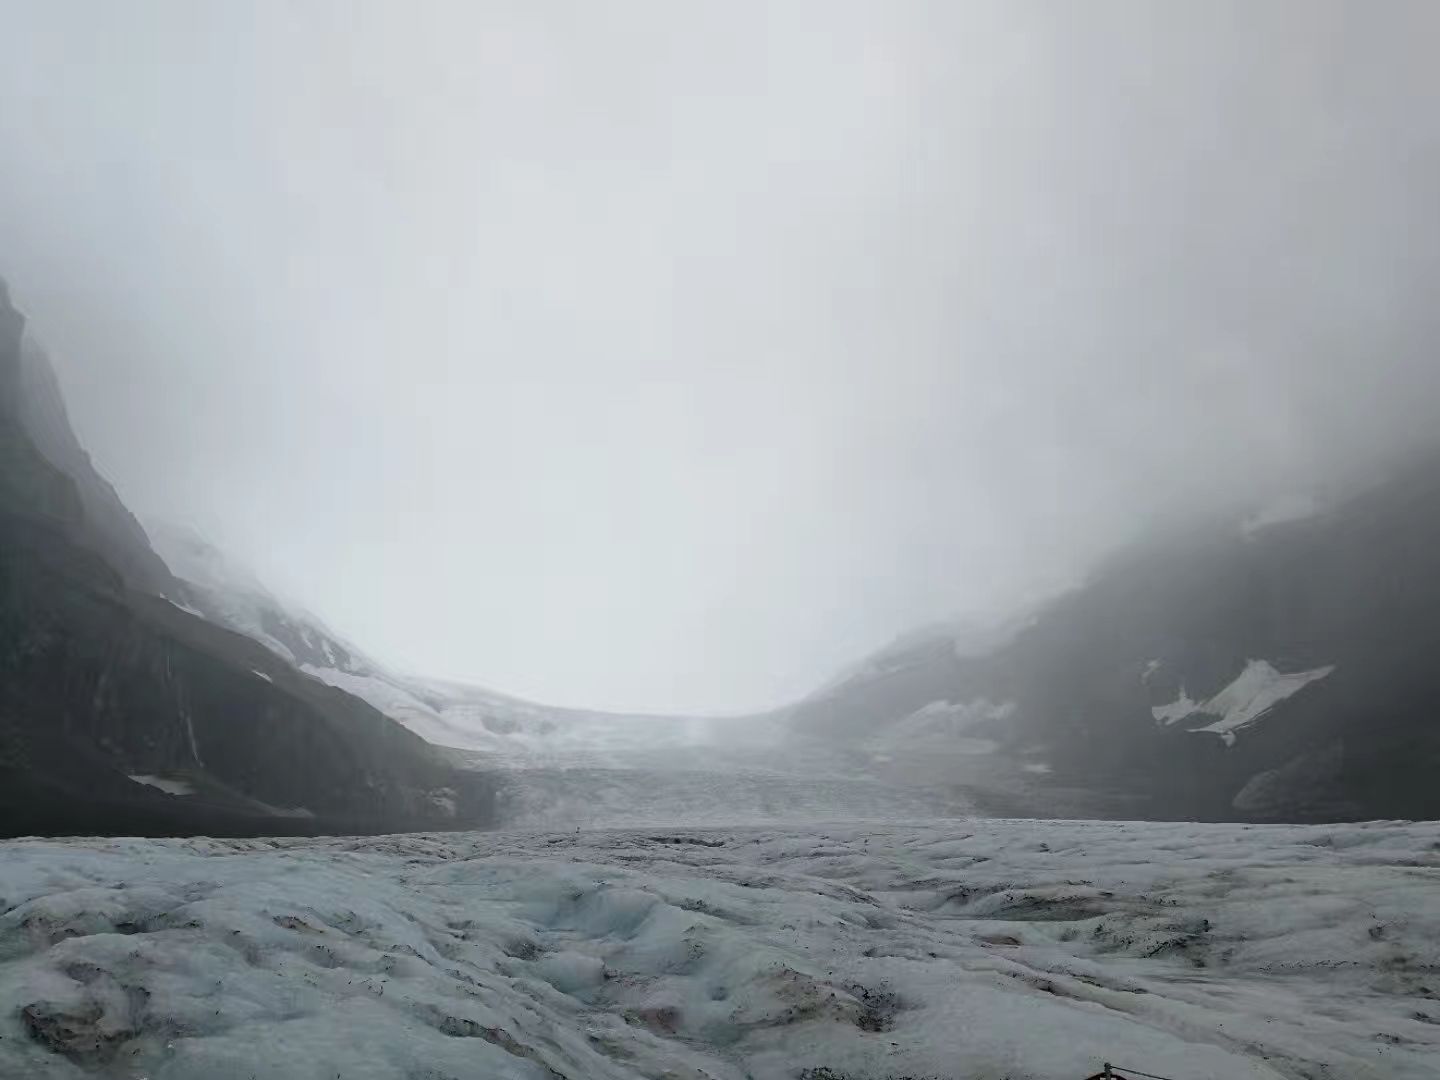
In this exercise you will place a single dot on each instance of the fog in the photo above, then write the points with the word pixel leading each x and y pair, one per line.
pixel 669 357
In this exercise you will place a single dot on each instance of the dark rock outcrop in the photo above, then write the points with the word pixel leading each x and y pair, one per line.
pixel 109 527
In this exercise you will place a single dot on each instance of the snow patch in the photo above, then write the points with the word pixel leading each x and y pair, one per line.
pixel 170 787
pixel 185 607
pixel 381 693
pixel 1177 710
pixel 1253 693
pixel 1257 690
pixel 945 725
pixel 261 674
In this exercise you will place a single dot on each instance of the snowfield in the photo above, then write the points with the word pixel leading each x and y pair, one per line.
pixel 974 950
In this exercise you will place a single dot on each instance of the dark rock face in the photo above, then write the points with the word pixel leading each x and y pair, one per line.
pixel 102 680
pixel 1340 610
pixel 110 528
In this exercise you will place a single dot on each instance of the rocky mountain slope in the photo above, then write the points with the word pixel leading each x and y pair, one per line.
pixel 445 713
pixel 1279 670
pixel 107 526
pixel 119 711
pixel 213 585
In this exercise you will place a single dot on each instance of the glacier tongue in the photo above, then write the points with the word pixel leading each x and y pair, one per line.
pixel 970 949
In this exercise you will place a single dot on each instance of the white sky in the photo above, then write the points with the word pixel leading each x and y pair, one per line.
pixel 671 355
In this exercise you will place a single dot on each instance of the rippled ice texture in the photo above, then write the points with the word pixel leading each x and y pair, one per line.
pixel 975 950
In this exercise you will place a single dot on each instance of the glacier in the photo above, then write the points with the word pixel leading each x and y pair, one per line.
pixel 967 950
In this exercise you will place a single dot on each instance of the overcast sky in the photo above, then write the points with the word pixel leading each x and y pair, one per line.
pixel 672 355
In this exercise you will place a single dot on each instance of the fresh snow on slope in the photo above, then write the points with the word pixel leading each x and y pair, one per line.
pixel 944 725
pixel 1177 710
pixel 170 787
pixel 961 637
pixel 974 950
pixel 1254 692
pixel 232 593
pixel 388 696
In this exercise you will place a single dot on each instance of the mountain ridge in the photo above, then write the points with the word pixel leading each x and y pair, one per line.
pixel 121 711
pixel 1275 672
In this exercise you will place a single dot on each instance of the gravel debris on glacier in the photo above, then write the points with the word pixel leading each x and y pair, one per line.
pixel 970 950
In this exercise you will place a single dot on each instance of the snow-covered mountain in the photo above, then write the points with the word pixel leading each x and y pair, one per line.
pixel 563 767
pixel 1278 667
pixel 447 713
